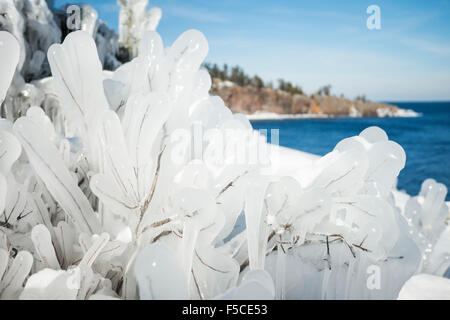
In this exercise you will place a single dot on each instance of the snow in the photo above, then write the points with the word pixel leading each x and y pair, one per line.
pixel 354 113
pixel 294 163
pixel 425 287
pixel 226 84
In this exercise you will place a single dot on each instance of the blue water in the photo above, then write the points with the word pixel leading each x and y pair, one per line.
pixel 426 139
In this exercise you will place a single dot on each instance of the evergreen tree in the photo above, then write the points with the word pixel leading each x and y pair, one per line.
pixel 237 75
pixel 257 82
pixel 325 90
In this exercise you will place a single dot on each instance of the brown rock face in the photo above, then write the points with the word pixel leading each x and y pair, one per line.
pixel 249 100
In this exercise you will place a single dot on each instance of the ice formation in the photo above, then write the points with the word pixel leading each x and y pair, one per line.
pixel 106 191
pixel 427 215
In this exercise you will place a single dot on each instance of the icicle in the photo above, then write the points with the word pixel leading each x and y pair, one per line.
pixel 12 282
pixel 44 247
pixel 280 278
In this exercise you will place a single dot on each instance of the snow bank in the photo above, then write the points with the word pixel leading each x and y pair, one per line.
pixel 425 287
pixel 292 163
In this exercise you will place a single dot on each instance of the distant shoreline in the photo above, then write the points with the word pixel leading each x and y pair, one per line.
pixel 269 104
pixel 261 116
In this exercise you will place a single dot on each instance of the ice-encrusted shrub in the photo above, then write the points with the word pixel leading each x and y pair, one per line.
pixel 124 159
pixel 344 222
pixel 107 201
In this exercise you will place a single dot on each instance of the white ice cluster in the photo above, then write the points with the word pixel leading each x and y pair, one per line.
pixel 427 216
pixel 103 195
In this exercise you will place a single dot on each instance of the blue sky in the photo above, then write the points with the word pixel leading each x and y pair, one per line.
pixel 314 43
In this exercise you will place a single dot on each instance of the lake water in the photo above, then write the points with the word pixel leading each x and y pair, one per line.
pixel 425 139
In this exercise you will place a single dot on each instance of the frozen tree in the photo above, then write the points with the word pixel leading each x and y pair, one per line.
pixel 134 21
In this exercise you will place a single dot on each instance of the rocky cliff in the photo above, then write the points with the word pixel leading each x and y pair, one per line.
pixel 249 100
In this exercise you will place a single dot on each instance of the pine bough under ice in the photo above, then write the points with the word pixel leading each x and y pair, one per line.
pixel 95 207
